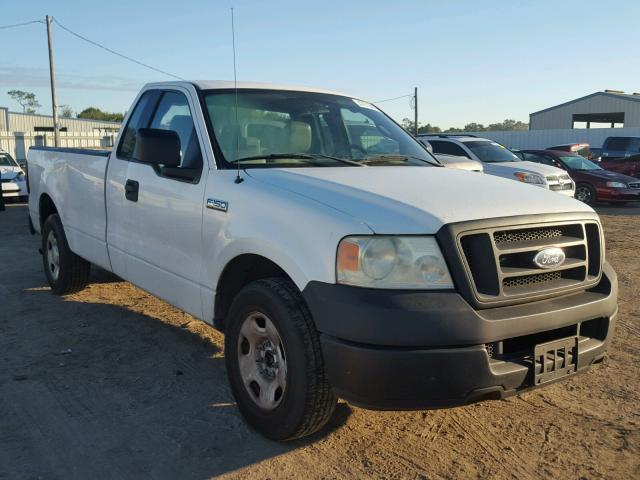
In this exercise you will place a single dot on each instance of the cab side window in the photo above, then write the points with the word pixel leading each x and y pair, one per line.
pixel 173 113
pixel 139 119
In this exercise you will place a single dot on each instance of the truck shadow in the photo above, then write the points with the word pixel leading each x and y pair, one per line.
pixel 114 389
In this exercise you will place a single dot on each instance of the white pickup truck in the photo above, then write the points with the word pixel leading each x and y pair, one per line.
pixel 332 249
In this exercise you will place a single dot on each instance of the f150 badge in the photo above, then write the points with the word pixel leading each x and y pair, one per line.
pixel 549 258
pixel 215 204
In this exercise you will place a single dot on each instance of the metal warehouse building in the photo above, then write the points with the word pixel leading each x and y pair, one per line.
pixel 25 122
pixel 608 109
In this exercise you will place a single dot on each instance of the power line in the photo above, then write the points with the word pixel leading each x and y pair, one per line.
pixel 114 52
pixel 2 27
pixel 394 98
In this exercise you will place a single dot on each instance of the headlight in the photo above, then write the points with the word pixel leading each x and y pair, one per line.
pixel 527 177
pixel 19 177
pixel 392 262
pixel 616 185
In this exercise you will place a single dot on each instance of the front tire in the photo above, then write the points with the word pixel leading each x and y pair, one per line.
pixel 65 271
pixel 585 193
pixel 274 361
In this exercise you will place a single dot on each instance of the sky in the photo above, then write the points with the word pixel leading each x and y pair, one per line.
pixel 472 61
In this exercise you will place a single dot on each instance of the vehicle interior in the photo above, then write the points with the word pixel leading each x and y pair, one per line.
pixel 315 128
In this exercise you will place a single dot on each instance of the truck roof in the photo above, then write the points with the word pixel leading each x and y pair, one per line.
pixel 229 84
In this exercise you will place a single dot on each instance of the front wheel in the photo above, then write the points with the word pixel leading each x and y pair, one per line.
pixel 274 361
pixel 585 193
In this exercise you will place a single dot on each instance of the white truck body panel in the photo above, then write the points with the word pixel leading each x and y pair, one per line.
pixel 76 183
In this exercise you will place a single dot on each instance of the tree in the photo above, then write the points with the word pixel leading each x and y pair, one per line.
pixel 508 124
pixel 474 127
pixel 97 114
pixel 408 125
pixel 65 111
pixel 27 100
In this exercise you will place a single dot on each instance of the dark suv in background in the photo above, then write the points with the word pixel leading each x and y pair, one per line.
pixel 622 155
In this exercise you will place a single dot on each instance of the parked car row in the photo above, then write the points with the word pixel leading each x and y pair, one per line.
pixel 567 168
pixel 498 160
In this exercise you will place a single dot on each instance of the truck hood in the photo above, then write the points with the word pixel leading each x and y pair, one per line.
pixel 529 167
pixel 408 200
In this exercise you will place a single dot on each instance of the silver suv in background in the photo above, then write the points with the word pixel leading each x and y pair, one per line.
pixel 500 161
pixel 454 161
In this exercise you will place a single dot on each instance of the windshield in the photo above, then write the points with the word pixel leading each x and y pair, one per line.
pixel 306 129
pixel 576 162
pixel 491 152
pixel 7 161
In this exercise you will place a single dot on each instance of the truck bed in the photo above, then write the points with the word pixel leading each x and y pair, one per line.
pixel 74 180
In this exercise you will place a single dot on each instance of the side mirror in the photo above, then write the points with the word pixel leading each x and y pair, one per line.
pixel 157 147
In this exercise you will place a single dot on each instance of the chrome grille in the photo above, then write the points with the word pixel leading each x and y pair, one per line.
pixel 512 236
pixel 526 281
pixel 634 185
pixel 558 187
pixel 559 182
pixel 499 261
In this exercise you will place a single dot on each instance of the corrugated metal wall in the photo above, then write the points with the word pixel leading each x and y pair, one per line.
pixel 561 117
pixel 539 139
pixel 22 122
pixel 18 144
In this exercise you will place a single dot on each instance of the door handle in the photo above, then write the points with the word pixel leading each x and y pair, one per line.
pixel 131 190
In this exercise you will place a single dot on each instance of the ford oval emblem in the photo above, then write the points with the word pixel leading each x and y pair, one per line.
pixel 549 258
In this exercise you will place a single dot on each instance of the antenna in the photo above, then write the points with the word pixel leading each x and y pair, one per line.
pixel 239 179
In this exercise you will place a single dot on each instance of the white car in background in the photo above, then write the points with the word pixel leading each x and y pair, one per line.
pixel 13 180
pixel 501 162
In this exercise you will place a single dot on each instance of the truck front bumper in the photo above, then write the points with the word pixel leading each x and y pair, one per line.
pixel 413 350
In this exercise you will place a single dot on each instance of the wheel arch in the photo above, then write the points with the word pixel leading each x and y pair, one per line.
pixel 238 272
pixel 46 207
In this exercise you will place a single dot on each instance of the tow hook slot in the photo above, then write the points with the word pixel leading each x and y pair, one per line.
pixel 556 359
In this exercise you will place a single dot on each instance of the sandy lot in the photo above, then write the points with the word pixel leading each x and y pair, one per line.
pixel 113 383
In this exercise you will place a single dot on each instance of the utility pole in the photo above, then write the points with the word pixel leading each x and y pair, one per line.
pixel 54 106
pixel 415 105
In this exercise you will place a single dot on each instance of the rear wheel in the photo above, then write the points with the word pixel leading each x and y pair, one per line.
pixel 585 193
pixel 65 271
pixel 274 361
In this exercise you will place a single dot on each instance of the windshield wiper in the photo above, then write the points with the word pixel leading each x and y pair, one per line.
pixel 400 158
pixel 297 156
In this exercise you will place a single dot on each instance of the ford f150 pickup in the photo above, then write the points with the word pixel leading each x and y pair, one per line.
pixel 331 248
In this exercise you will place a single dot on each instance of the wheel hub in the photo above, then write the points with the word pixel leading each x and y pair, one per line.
pixel 262 361
pixel 267 360
pixel 53 256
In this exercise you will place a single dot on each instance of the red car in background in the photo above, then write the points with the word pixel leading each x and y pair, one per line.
pixel 593 183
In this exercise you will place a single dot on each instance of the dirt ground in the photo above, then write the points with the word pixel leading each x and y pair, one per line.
pixel 113 383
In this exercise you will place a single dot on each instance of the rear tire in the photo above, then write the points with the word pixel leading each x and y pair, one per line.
pixel 274 361
pixel 585 193
pixel 65 271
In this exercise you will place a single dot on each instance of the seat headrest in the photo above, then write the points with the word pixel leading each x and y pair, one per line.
pixel 299 136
